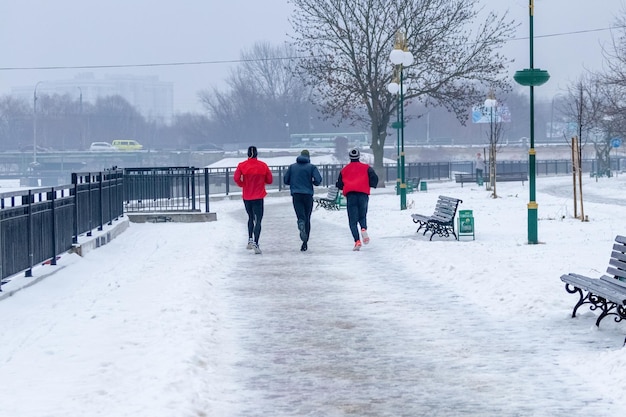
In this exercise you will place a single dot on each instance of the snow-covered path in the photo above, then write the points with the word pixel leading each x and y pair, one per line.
pixel 335 333
pixel 172 320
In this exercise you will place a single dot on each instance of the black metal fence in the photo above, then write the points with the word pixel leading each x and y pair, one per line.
pixel 38 224
pixel 166 189
pixel 189 188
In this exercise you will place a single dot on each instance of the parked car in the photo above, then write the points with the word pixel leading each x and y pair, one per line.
pixel 102 147
pixel 127 145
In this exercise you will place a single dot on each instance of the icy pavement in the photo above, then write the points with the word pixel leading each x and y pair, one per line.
pixel 175 319
pixel 331 332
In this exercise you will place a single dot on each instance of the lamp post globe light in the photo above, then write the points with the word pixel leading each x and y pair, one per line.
pixel 401 57
pixel 532 77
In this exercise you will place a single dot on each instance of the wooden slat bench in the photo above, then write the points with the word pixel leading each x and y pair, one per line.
pixel 441 222
pixel 461 178
pixel 332 201
pixel 511 176
pixel 606 293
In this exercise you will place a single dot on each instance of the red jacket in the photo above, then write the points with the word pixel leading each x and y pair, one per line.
pixel 252 175
pixel 356 177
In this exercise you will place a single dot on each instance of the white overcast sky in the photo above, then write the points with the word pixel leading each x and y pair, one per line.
pixel 69 33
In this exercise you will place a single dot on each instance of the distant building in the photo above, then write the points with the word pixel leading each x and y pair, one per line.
pixel 152 98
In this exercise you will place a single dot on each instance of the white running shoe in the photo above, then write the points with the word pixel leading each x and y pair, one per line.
pixel 256 248
pixel 364 235
pixel 250 244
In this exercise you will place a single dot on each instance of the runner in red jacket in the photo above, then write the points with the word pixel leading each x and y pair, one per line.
pixel 252 175
pixel 355 180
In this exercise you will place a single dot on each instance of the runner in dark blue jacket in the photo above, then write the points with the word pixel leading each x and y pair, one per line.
pixel 301 177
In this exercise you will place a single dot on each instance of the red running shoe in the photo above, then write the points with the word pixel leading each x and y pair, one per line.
pixel 364 235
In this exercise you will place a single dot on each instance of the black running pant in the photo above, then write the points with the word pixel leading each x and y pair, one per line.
pixel 254 208
pixel 356 205
pixel 303 206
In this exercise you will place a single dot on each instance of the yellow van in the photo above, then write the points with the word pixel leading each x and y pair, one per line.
pixel 127 145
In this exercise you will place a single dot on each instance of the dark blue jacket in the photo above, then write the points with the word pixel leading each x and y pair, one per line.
pixel 302 176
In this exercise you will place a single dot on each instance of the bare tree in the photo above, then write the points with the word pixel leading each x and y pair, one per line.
pixel 345 48
pixel 58 122
pixel 112 117
pixel 597 105
pixel 613 80
pixel 585 105
pixel 497 114
pixel 16 123
pixel 191 129
pixel 265 100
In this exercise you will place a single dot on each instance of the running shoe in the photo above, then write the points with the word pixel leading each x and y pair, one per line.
pixel 256 248
pixel 304 247
pixel 303 236
pixel 250 244
pixel 357 245
pixel 365 236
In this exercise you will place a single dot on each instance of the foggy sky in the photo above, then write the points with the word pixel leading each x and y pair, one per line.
pixel 41 33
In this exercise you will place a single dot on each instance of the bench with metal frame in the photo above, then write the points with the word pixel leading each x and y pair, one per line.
pixel 606 293
pixel 461 178
pixel 332 201
pixel 441 222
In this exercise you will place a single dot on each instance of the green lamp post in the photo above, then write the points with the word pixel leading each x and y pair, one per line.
pixel 532 77
pixel 401 57
pixel 393 88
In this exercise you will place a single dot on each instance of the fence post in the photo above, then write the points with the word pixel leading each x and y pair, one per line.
pixel 75 183
pixel 192 171
pixel 110 177
pixel 89 222
pixel 100 206
pixel 52 198
pixel 30 246
pixel 206 190
pixel 120 192
pixel 226 181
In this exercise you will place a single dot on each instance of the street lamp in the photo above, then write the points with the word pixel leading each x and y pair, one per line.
pixel 35 124
pixel 401 57
pixel 532 77
pixel 394 88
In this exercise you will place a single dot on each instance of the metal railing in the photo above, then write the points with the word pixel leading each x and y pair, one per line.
pixel 189 188
pixel 37 225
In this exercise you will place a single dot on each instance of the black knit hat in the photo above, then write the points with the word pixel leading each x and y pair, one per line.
pixel 252 152
pixel 354 154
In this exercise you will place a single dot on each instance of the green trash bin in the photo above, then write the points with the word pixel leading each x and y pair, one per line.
pixel 423 186
pixel 466 224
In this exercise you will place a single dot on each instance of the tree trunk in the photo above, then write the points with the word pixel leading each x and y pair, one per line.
pixel 379 135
